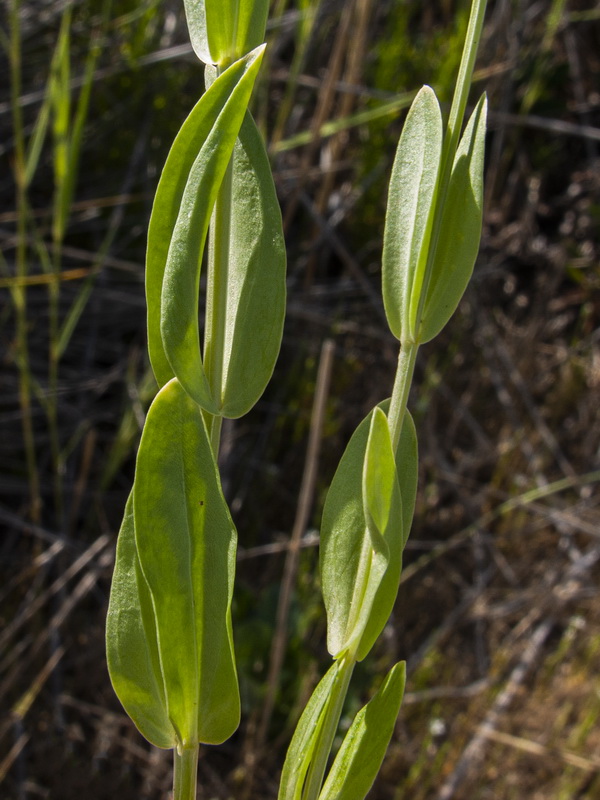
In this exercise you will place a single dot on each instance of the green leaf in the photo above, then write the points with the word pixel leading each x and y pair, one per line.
pixel 195 14
pixel 186 546
pixel 251 25
pixel 363 749
pixel 382 504
pixel 360 563
pixel 407 469
pixel 409 212
pixel 380 500
pixel 407 464
pixel 302 746
pixel 221 22
pixel 131 646
pixel 256 282
pixel 460 230
pixel 225 30
pixel 184 200
pixel 378 475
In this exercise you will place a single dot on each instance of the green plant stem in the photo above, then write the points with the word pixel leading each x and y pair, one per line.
pixel 185 773
pixel 214 432
pixel 53 362
pixel 404 375
pixel 402 382
pixel 451 139
pixel 216 300
pixel 19 293
pixel 333 712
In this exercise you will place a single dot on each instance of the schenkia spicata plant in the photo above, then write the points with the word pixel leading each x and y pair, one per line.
pixel 169 633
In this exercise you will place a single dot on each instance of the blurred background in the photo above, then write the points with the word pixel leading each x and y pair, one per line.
pixel 498 614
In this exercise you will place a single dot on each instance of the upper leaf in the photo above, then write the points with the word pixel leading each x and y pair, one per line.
pixel 460 231
pixel 409 212
pixel 256 277
pixel 186 546
pixel 131 645
pixel 184 200
pixel 358 760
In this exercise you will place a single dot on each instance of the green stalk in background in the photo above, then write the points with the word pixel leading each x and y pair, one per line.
pixel 19 291
pixel 169 636
pixel 67 129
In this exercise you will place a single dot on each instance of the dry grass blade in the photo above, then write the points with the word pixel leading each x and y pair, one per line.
pixel 32 608
pixel 537 749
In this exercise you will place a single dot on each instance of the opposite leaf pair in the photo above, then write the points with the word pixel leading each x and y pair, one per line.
pixel 246 290
pixel 432 227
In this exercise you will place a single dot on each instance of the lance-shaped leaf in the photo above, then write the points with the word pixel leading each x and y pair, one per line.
pixel 131 645
pixel 186 546
pixel 349 549
pixel 460 230
pixel 255 303
pixel 358 760
pixel 306 735
pixel 409 211
pixel 183 204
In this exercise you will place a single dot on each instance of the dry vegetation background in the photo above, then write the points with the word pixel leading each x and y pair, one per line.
pixel 499 610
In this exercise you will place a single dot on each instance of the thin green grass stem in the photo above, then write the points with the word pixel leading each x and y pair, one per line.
pixel 185 773
pixel 333 712
pixel 404 374
pixel 452 136
pixel 19 293
pixel 53 364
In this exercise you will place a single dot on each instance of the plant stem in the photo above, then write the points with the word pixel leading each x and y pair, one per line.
pixel 402 382
pixel 185 773
pixel 214 432
pixel 19 293
pixel 333 712
pixel 53 365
